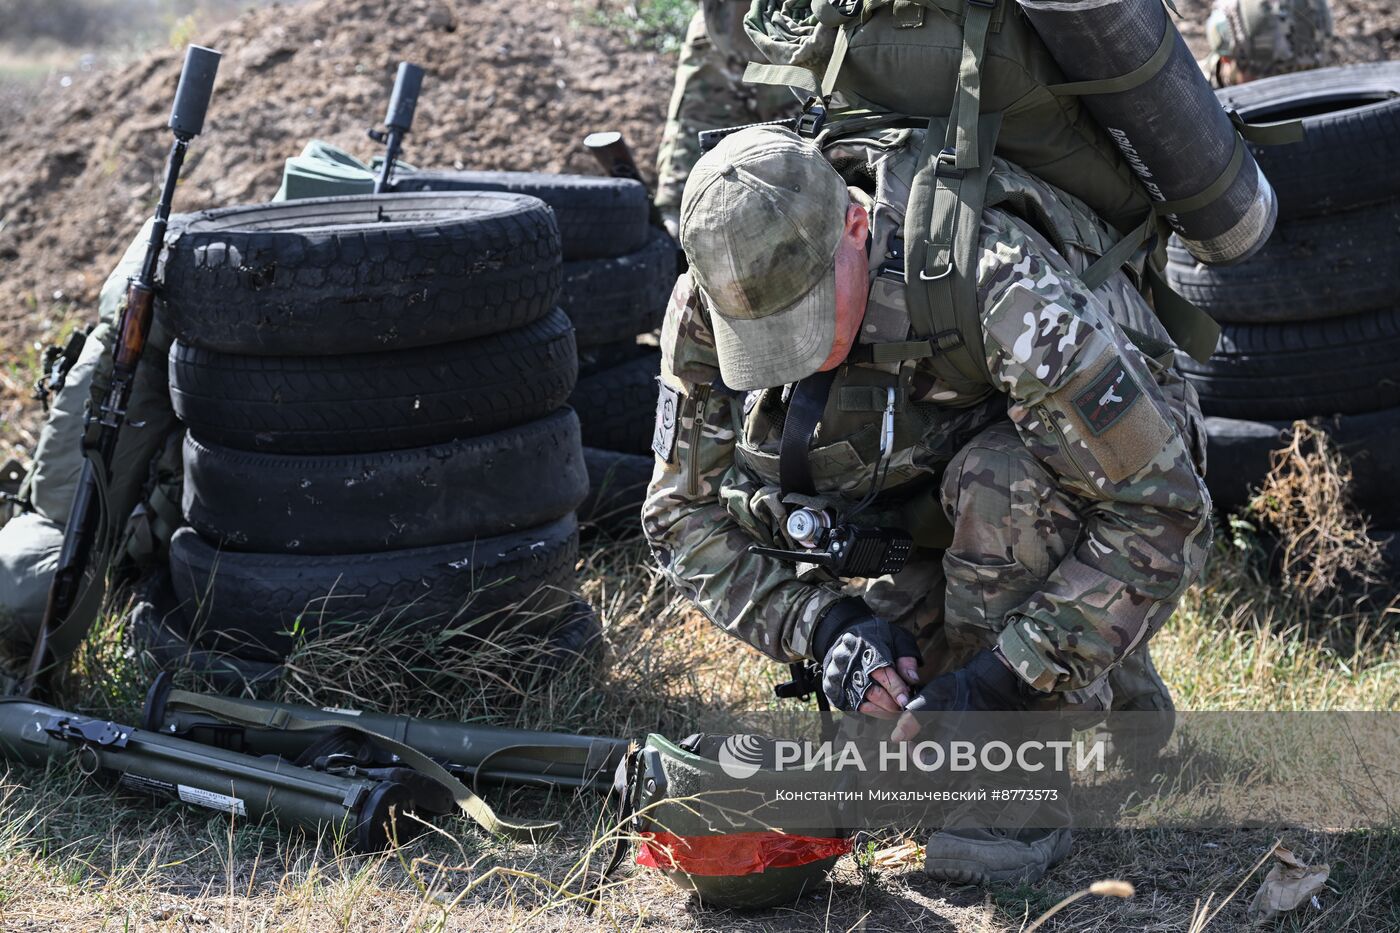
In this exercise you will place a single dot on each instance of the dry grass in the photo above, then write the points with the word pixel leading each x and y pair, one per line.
pixel 74 857
pixel 1322 541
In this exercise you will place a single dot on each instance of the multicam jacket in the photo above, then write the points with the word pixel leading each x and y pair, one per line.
pixel 1118 428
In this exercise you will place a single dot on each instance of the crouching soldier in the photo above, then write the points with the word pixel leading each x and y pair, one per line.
pixel 1050 480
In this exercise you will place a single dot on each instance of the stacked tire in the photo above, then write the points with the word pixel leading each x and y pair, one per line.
pixel 374 389
pixel 1311 325
pixel 617 276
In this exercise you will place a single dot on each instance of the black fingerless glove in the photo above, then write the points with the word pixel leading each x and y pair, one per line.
pixel 852 645
pixel 986 684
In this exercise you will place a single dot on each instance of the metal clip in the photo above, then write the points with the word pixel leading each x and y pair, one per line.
pixel 887 425
pixel 89 731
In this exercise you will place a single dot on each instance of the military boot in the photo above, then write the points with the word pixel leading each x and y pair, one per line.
pixel 1013 841
pixel 988 856
pixel 1138 691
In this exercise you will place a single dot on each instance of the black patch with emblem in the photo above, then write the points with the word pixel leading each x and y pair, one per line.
pixel 1108 398
pixel 663 436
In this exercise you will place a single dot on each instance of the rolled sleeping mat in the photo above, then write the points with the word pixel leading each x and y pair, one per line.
pixel 1130 66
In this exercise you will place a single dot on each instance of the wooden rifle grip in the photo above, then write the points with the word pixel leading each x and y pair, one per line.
pixel 135 324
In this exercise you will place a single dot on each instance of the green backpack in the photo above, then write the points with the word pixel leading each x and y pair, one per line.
pixel 979 76
pixel 971 58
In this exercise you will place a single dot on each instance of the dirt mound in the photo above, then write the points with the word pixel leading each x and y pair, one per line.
pixel 509 86
pixel 504 90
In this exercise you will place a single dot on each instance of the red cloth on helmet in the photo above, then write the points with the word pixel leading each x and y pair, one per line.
pixel 735 853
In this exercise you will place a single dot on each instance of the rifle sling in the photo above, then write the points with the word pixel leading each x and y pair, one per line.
pixel 232 711
pixel 804 413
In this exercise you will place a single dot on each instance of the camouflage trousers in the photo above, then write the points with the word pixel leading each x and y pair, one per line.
pixel 1012 526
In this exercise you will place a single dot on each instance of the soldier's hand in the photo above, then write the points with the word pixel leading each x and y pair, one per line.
pixel 868 664
pixel 986 684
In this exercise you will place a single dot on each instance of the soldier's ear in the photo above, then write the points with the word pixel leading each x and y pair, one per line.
pixel 857 224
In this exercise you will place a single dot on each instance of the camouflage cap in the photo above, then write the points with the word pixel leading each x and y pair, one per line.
pixel 761 217
pixel 1268 37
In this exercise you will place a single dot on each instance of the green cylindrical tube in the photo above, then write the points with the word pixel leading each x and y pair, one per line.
pixel 514 756
pixel 217 778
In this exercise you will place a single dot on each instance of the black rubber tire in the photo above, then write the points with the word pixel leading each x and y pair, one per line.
pixel 610 300
pixel 359 274
pixel 156 626
pixel 1345 365
pixel 617 406
pixel 375 401
pixel 1351 115
pixel 597 217
pixel 595 359
pixel 477 487
pixel 250 603
pixel 1317 267
pixel 1238 459
pixel 617 486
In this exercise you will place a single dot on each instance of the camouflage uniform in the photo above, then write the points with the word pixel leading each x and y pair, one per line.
pixel 1267 37
pixel 710 94
pixel 1073 484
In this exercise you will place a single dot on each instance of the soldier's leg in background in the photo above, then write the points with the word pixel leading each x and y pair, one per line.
pixel 710 93
pixel 697 100
pixel 724 20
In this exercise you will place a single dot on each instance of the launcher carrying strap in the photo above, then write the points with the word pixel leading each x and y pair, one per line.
pixel 236 713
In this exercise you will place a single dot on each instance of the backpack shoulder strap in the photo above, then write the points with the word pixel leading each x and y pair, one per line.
pixel 940 234
pixel 944 215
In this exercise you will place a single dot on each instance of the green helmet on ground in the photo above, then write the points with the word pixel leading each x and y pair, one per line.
pixel 701 820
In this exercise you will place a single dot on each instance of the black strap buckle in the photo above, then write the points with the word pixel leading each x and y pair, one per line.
pixel 804 682
pixel 892 266
pixel 813 118
pixel 985 4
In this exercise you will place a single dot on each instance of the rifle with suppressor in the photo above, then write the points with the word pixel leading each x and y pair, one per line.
pixel 397 120
pixel 87 525
pixel 475 753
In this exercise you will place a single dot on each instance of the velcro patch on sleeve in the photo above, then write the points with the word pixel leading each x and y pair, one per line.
pixel 663 436
pixel 1109 397
pixel 1117 432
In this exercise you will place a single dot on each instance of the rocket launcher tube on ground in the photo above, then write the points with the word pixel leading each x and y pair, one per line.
pixel 513 756
pixel 1168 125
pixel 228 781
